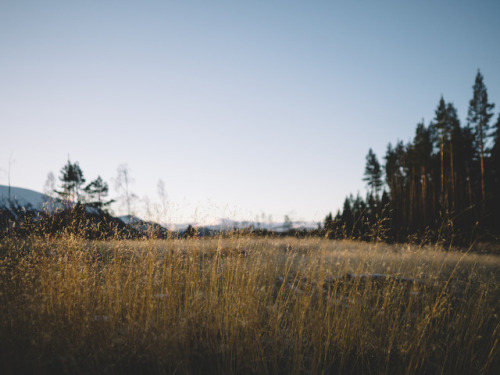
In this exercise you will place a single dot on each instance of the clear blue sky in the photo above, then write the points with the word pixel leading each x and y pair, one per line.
pixel 240 107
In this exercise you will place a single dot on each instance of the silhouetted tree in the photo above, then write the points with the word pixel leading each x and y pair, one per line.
pixel 442 130
pixel 328 224
pixel 396 177
pixel 71 182
pixel 495 176
pixel 420 156
pixel 453 128
pixel 373 173
pixel 479 115
pixel 495 156
pixel 347 217
pixel 97 191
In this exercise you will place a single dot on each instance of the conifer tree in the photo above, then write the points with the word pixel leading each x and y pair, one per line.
pixel 373 173
pixel 420 156
pixel 71 180
pixel 395 178
pixel 479 115
pixel 453 126
pixel 97 191
pixel 440 125
pixel 495 174
pixel 495 156
pixel 328 224
pixel 347 217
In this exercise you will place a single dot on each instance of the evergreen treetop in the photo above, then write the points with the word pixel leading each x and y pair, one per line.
pixel 71 180
pixel 373 172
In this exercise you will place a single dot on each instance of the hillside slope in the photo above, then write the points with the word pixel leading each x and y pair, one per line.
pixel 27 198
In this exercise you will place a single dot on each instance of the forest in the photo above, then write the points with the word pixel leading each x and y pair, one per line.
pixel 442 185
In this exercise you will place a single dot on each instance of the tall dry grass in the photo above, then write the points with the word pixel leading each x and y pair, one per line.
pixel 241 304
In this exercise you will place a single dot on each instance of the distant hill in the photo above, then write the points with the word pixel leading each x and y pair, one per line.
pixel 228 225
pixel 26 211
pixel 28 206
pixel 280 227
pixel 142 226
pixel 28 199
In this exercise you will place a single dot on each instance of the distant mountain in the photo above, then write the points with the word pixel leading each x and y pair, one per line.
pixel 29 199
pixel 26 205
pixel 227 225
pixel 149 227
pixel 26 211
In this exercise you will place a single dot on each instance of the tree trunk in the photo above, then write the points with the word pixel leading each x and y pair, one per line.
pixel 452 175
pixel 483 193
pixel 442 172
pixel 424 201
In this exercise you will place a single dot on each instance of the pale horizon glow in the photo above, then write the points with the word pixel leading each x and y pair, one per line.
pixel 244 109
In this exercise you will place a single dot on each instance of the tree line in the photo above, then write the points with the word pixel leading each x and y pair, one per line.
pixel 444 184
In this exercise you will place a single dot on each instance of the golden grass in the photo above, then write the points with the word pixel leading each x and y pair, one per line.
pixel 243 304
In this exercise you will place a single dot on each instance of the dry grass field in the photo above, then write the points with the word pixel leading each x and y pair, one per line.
pixel 246 305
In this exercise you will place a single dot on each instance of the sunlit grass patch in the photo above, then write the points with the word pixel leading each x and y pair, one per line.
pixel 243 304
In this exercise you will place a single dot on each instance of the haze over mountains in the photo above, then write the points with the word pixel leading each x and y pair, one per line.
pixel 31 200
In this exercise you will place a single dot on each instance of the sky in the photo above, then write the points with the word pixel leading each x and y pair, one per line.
pixel 243 109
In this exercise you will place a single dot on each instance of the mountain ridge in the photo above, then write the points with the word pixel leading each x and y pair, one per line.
pixel 22 199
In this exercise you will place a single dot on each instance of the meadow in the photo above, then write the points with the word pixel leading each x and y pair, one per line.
pixel 242 304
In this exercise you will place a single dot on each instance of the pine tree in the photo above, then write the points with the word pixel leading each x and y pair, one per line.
pixel 420 156
pixel 495 172
pixel 97 191
pixel 347 218
pixel 479 115
pixel 328 224
pixel 71 180
pixel 373 173
pixel 453 126
pixel 495 156
pixel 395 178
pixel 440 125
